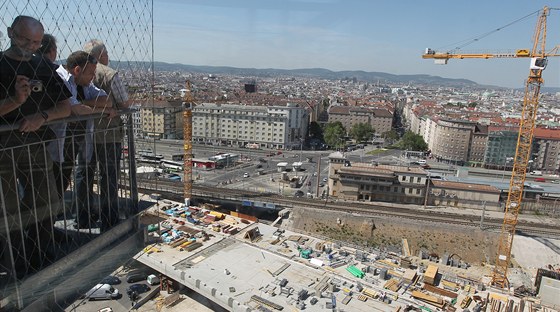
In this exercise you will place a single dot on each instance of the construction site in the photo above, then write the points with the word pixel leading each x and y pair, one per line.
pixel 244 265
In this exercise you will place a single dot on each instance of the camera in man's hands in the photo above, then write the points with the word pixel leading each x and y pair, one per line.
pixel 36 85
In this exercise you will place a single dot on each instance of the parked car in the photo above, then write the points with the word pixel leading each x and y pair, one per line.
pixel 136 276
pixel 102 291
pixel 152 279
pixel 246 175
pixel 111 280
pixel 299 193
pixel 325 180
pixel 138 288
pixel 321 184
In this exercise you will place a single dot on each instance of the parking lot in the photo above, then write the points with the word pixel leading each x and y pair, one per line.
pixel 122 303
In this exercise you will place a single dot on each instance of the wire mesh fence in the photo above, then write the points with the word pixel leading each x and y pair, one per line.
pixel 64 179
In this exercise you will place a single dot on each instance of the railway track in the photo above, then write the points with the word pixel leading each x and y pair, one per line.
pixel 174 190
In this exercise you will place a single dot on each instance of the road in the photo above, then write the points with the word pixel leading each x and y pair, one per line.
pixel 233 176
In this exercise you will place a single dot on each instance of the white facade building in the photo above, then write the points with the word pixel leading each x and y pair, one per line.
pixel 136 118
pixel 276 127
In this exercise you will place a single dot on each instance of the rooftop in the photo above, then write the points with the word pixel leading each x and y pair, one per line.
pixel 382 169
pixel 466 186
pixel 263 266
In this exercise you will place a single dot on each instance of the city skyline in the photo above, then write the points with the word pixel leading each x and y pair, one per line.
pixel 353 35
pixel 332 34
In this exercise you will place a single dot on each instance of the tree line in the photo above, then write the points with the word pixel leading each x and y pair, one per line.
pixel 336 135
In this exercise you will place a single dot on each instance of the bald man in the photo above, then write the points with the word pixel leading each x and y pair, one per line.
pixel 31 94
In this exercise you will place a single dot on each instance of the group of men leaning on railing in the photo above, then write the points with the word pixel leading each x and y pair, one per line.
pixel 36 159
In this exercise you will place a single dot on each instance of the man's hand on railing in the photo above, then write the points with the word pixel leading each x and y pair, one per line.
pixel 31 123
pixel 111 112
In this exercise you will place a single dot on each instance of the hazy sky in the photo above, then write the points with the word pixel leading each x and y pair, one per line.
pixel 370 35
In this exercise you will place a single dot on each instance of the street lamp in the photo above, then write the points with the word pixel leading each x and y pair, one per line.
pixel 508 159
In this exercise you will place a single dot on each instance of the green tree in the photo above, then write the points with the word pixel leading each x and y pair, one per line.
pixel 334 134
pixel 390 135
pixel 362 132
pixel 413 142
pixel 315 131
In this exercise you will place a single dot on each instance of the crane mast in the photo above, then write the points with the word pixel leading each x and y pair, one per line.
pixel 522 153
pixel 188 102
pixel 538 56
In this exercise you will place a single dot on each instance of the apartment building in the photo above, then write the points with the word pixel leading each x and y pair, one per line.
pixel 487 141
pixel 381 120
pixel 500 149
pixel 411 115
pixel 453 141
pixel 546 150
pixel 479 142
pixel 429 127
pixel 162 120
pixel 276 127
pixel 136 118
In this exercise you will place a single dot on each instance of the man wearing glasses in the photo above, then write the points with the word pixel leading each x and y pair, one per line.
pixel 31 94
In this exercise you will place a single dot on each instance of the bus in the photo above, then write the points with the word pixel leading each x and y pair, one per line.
pixel 416 154
pixel 171 165
pixel 150 158
pixel 177 157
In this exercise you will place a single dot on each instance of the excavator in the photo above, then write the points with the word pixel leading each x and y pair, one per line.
pixel 538 60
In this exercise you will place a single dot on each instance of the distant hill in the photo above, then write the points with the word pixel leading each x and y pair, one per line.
pixel 547 89
pixel 360 75
pixel 320 73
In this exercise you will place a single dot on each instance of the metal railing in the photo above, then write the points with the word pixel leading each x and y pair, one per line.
pixel 53 208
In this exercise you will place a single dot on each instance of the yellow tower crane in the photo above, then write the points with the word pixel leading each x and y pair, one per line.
pixel 188 102
pixel 538 56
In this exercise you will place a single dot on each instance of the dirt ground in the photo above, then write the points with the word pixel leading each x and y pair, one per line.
pixel 470 244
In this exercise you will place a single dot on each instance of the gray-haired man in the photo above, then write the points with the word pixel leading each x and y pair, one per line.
pixel 108 133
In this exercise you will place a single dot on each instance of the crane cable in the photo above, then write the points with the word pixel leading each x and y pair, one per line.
pixel 466 42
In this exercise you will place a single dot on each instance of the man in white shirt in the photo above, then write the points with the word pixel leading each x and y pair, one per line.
pixel 86 99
